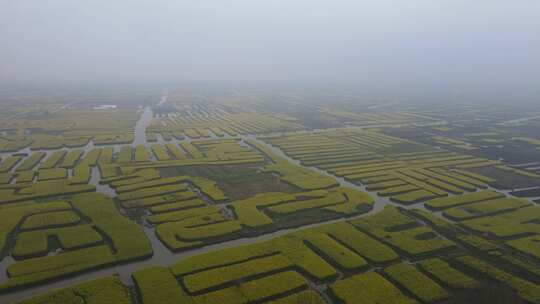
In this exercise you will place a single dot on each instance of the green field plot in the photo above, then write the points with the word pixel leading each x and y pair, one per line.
pixel 160 199
pixel 505 225
pixel 127 237
pixel 197 124
pixel 176 206
pixel 416 282
pixel 248 211
pixel 526 265
pixel 160 153
pixel 50 219
pixel 447 274
pixel 7 164
pixel 452 201
pixel 527 245
pixel 193 231
pixel 91 158
pixel 360 242
pixel 81 174
pixel 485 208
pixel 42 269
pixel 125 155
pixel 25 176
pixel 141 154
pixel 412 197
pixel 307 296
pixel 385 185
pixel 191 150
pixel 301 177
pixel 369 288
pixel 151 183
pixel 256 290
pixel 158 285
pixel 339 254
pixel 331 199
pixel 35 243
pixel 477 242
pixel 106 156
pixel 175 151
pixel 403 232
pixel 267 287
pixel 43 189
pixel 6 178
pixel 113 138
pixel 208 188
pixel 53 160
pixel 527 290
pixel 12 215
pixel 71 158
pixel 375 159
pixel 389 219
pixel 53 173
pixel 506 177
pixel 399 190
pixel 149 192
pixel 292 247
pixel 416 241
pixel 341 201
pixel 180 215
pixel 30 162
pixel 99 291
pixel 232 273
pixel 138 176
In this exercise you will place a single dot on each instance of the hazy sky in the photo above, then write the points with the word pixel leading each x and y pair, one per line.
pixel 379 42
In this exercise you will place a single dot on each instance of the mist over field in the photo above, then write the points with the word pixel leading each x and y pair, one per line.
pixel 484 48
pixel 269 151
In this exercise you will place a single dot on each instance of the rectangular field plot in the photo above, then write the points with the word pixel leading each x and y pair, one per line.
pixel 445 273
pixel 92 292
pixel 369 288
pixel 404 233
pixel 485 208
pixel 520 222
pixel 417 283
pixel 217 121
pixel 375 160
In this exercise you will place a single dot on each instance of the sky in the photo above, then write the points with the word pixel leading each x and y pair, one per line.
pixel 490 44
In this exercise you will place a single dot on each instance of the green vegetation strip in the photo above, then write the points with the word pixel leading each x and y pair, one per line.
pixel 416 282
pixel 31 162
pixel 34 243
pixel 53 159
pixel 368 288
pixel 105 290
pixel 7 164
pixel 50 219
pixel 447 274
pixel 256 290
pixel 529 291
pixel 214 277
pixel 157 285
pixel 452 201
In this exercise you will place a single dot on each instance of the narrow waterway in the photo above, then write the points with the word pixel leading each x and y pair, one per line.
pixel 140 127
